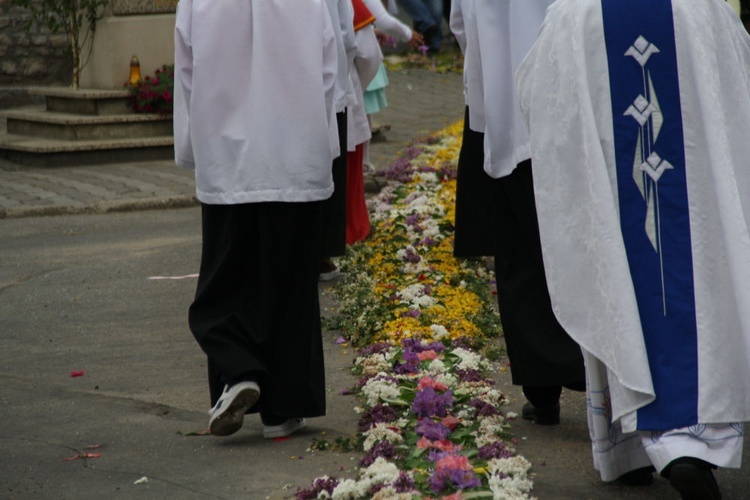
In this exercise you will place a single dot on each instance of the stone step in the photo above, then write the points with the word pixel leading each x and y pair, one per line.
pixel 73 127
pixel 31 151
pixel 84 101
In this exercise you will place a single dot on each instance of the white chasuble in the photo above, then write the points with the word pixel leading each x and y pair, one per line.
pixel 638 114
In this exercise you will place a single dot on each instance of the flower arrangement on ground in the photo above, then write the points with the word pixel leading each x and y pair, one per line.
pixel 431 423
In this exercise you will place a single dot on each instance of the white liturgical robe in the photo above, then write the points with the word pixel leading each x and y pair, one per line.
pixel 639 113
pixel 254 99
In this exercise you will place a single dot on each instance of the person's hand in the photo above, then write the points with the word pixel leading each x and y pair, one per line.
pixel 417 40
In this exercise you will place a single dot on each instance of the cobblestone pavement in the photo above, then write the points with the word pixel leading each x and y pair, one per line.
pixel 420 102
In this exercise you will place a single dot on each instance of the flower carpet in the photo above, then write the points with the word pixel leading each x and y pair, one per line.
pixel 431 423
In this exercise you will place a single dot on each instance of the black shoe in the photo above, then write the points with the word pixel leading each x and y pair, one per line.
pixel 638 477
pixel 693 479
pixel 541 416
pixel 428 34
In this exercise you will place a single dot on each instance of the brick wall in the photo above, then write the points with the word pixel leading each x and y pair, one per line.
pixel 30 57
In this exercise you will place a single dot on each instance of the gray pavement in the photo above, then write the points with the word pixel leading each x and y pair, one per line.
pixel 76 295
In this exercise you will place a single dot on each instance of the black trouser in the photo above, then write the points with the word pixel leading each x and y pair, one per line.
pixel 334 208
pixel 474 191
pixel 256 312
pixel 541 353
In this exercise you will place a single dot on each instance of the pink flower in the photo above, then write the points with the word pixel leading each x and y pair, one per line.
pixel 430 382
pixel 451 422
pixel 424 443
pixel 427 355
pixel 442 445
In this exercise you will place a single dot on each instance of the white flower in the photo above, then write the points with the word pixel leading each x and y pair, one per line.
pixel 381 432
pixel 418 268
pixel 513 466
pixel 492 396
pixel 380 388
pixel 428 177
pixel 381 471
pixel 374 364
pixel 489 430
pixel 424 302
pixel 510 488
pixel 447 379
pixel 439 332
pixel 436 367
pixel 515 484
pixel 469 360
pixel 349 489
pixel 389 493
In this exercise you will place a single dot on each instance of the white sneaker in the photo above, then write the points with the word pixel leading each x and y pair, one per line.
pixel 330 275
pixel 227 416
pixel 369 167
pixel 289 427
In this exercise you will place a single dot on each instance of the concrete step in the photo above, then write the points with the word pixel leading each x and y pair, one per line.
pixel 36 152
pixel 77 127
pixel 82 127
pixel 84 101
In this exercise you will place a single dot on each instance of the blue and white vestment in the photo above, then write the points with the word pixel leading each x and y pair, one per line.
pixel 638 113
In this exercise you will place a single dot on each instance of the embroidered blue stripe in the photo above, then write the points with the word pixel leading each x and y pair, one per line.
pixel 653 198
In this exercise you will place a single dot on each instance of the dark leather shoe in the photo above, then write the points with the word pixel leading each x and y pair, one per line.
pixel 638 477
pixel 693 479
pixel 541 416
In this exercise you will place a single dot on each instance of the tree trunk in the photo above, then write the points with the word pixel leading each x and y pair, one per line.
pixel 74 49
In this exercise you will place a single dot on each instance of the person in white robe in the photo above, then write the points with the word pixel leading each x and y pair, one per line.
pixel 638 112
pixel 334 209
pixel 374 95
pixel 473 213
pixel 543 358
pixel 254 116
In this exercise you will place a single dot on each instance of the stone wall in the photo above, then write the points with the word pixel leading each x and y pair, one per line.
pixel 30 56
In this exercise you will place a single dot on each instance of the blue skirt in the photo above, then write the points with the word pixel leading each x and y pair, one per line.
pixel 374 96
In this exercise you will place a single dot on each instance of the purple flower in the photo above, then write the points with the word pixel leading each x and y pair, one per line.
pixel 410 364
pixel 430 403
pixel 454 470
pixel 378 348
pixel 471 375
pixel 412 220
pixel 416 346
pixel 399 170
pixel 467 343
pixel 410 256
pixel 434 431
pixel 494 450
pixel 427 242
pixel 412 152
pixel 376 414
pixel 375 488
pixel 383 449
pixel 483 408
pixel 319 485
pixel 412 313
pixel 404 483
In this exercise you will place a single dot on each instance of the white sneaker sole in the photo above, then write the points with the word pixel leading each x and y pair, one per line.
pixel 229 419
pixel 286 429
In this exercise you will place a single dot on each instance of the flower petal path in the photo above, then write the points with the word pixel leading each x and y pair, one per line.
pixel 431 422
